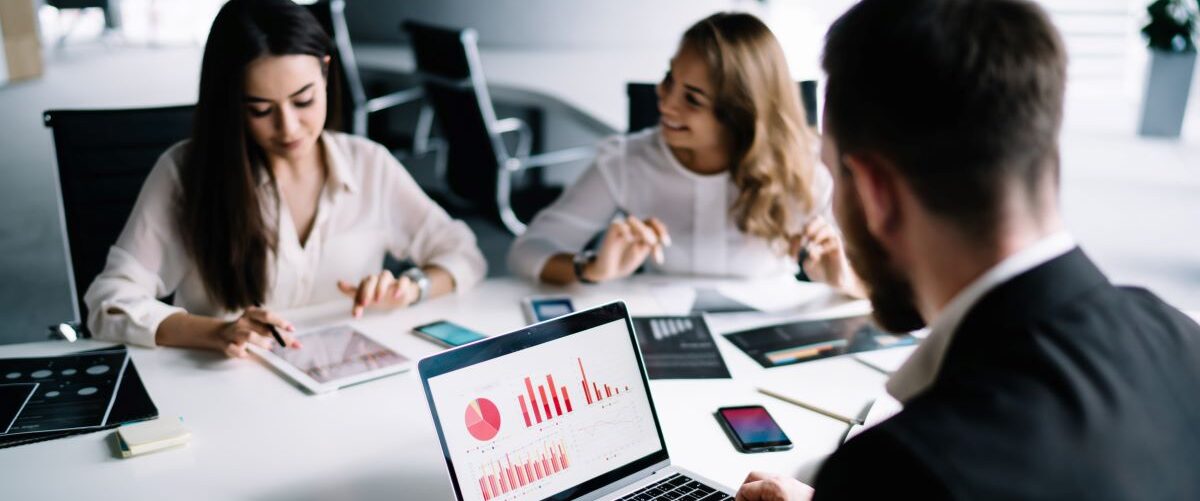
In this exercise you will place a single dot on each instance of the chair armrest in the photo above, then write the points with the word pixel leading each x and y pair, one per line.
pixel 523 160
pixel 558 157
pixel 394 99
pixel 524 140
pixel 510 124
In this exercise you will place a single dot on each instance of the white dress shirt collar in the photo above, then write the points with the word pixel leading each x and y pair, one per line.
pixel 920 370
pixel 339 168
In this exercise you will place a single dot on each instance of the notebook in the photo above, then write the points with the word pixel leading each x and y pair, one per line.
pixel 132 404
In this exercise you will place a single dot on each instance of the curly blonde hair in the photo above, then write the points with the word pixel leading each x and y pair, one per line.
pixel 759 104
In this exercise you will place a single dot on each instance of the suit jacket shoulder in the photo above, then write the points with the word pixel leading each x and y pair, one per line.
pixel 1057 385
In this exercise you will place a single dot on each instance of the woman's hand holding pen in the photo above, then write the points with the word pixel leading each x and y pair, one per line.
pixel 626 246
pixel 254 326
pixel 822 256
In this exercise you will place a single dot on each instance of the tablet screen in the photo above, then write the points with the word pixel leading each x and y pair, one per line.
pixel 338 352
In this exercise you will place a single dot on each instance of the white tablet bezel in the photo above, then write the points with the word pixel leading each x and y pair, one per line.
pixel 316 387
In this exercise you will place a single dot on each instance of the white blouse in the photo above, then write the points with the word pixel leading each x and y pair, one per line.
pixel 369 206
pixel 638 174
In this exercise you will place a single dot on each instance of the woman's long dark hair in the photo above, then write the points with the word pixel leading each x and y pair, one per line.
pixel 221 215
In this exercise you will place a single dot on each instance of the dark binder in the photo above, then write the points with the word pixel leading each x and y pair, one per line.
pixel 131 404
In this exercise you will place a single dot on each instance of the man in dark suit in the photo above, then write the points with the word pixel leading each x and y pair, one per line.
pixel 1039 379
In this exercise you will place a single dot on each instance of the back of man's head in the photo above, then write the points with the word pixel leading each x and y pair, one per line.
pixel 964 97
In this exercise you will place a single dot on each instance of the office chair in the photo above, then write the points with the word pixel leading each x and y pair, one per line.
pixel 643 104
pixel 104 157
pixel 356 106
pixel 110 8
pixel 480 168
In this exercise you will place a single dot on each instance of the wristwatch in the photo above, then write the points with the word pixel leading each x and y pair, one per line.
pixel 418 276
pixel 581 260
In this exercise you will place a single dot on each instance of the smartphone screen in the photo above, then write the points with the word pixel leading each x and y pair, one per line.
pixel 548 308
pixel 753 428
pixel 449 333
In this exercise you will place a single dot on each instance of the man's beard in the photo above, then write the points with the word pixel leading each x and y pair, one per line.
pixel 890 292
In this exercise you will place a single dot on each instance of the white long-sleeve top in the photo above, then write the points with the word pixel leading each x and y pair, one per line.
pixel 369 206
pixel 639 175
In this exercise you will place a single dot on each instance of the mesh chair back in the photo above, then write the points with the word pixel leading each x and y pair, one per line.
pixel 450 72
pixel 347 96
pixel 104 157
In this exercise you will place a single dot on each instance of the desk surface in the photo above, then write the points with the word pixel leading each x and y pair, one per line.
pixel 256 436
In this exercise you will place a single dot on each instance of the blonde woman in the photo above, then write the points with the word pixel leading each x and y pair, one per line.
pixel 726 185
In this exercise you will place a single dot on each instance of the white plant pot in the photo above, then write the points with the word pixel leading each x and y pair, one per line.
pixel 1165 100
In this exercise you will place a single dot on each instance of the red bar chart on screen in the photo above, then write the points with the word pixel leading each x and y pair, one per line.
pixel 592 392
pixel 543 400
pixel 504 475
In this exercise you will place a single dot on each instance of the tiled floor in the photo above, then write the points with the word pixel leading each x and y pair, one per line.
pixel 1134 204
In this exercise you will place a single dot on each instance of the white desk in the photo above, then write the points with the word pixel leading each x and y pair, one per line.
pixel 255 436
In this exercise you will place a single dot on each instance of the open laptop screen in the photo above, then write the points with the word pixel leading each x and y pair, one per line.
pixel 551 411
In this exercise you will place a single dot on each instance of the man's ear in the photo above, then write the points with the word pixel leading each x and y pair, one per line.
pixel 876 183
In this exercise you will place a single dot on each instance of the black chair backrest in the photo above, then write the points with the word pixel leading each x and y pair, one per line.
pixel 450 72
pixel 345 83
pixel 643 104
pixel 104 157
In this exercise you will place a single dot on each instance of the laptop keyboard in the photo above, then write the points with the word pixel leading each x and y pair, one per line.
pixel 680 487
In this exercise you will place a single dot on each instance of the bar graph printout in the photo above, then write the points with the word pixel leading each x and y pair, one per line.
pixel 535 422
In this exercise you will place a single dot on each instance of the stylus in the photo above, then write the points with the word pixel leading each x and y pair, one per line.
pixel 278 337
pixel 274 331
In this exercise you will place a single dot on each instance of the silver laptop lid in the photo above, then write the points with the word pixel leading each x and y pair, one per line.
pixel 556 410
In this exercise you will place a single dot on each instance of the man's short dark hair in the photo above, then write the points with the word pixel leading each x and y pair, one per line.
pixel 964 96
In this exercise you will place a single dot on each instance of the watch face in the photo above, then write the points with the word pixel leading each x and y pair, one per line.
pixel 418 277
pixel 582 259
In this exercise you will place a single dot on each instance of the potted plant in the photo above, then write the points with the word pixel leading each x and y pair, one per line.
pixel 1171 37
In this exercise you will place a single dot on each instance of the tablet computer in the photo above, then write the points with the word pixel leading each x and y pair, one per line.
pixel 333 357
pixel 543 308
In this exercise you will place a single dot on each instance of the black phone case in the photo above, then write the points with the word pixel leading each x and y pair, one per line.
pixel 737 443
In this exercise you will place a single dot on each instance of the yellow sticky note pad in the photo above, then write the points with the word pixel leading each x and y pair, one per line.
pixel 149 436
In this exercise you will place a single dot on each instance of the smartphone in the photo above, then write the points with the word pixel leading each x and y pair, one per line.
pixel 752 429
pixel 542 308
pixel 447 333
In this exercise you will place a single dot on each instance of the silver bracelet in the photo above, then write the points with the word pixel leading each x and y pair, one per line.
pixel 418 276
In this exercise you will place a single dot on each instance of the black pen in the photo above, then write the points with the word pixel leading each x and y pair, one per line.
pixel 275 332
pixel 278 336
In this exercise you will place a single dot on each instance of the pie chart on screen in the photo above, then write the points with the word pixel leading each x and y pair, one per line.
pixel 483 419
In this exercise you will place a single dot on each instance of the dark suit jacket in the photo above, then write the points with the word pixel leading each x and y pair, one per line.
pixel 1057 385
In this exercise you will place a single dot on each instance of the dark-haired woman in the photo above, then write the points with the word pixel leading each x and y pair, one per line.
pixel 263 209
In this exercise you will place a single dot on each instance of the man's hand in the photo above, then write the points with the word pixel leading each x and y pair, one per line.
pixel 760 486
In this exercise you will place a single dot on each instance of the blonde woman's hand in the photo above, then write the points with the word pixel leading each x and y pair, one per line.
pixel 626 246
pixel 823 257
pixel 254 326
pixel 382 290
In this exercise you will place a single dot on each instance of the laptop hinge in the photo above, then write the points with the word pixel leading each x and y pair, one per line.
pixel 627 481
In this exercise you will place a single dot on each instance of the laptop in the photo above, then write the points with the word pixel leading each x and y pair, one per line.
pixel 557 410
